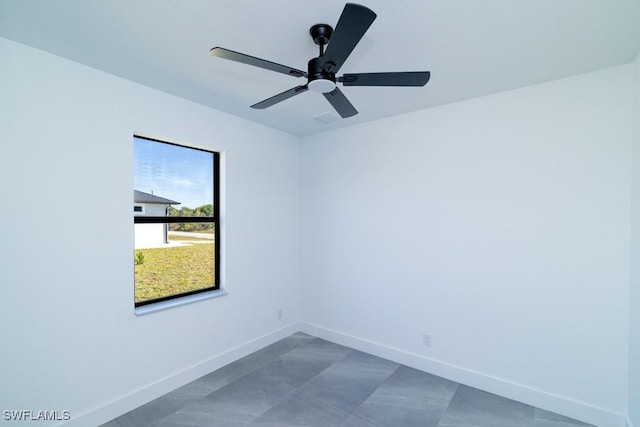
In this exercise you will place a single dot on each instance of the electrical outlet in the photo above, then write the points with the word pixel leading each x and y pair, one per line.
pixel 426 340
pixel 280 314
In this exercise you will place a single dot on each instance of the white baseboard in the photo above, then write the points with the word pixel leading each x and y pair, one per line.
pixel 139 397
pixel 561 405
pixel 593 415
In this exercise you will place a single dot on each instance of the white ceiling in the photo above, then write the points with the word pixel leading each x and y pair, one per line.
pixel 471 47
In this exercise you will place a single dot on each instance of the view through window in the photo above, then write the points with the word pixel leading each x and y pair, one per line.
pixel 175 211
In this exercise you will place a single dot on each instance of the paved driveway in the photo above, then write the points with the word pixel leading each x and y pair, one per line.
pixel 209 236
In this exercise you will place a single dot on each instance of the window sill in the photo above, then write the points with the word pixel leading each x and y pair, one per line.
pixel 164 305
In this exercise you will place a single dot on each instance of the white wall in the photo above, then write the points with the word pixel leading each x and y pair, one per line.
pixel 499 226
pixel 70 339
pixel 149 235
pixel 634 337
pixel 153 209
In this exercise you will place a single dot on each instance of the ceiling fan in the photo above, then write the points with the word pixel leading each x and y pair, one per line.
pixel 321 71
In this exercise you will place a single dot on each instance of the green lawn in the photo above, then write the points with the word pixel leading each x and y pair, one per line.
pixel 170 271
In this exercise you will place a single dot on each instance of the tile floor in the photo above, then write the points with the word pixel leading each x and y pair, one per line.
pixel 306 381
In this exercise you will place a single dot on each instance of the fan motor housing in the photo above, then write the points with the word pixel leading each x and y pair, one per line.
pixel 321 33
pixel 320 80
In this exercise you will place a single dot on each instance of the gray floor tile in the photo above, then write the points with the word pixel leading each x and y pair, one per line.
pixel 149 413
pixel 264 356
pixel 406 381
pixel 306 381
pixel 473 407
pixel 197 419
pixel 408 398
pixel 355 421
pixel 257 359
pixel 325 349
pixel 388 413
pixel 547 423
pixel 231 372
pixel 299 410
pixel 345 386
pixel 368 365
pixel 206 384
pixel 225 375
pixel 296 367
pixel 246 398
pixel 544 418
pixel 289 343
pixel 339 389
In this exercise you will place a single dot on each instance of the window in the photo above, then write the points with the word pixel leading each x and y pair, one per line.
pixel 175 206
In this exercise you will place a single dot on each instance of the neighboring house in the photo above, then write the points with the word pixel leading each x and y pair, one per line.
pixel 145 204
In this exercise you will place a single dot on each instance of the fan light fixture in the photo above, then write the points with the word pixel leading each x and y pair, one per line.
pixel 322 85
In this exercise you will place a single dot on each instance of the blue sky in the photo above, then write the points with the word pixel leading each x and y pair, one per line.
pixel 178 173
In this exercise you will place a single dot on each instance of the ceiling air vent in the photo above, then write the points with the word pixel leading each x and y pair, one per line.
pixel 327 117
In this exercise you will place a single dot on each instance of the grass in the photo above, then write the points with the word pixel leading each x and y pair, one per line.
pixel 170 271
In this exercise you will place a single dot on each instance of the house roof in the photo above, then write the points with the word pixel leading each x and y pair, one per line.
pixel 142 197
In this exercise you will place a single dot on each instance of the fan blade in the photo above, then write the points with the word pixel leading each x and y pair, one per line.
pixel 406 78
pixel 341 104
pixel 221 52
pixel 353 23
pixel 280 97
